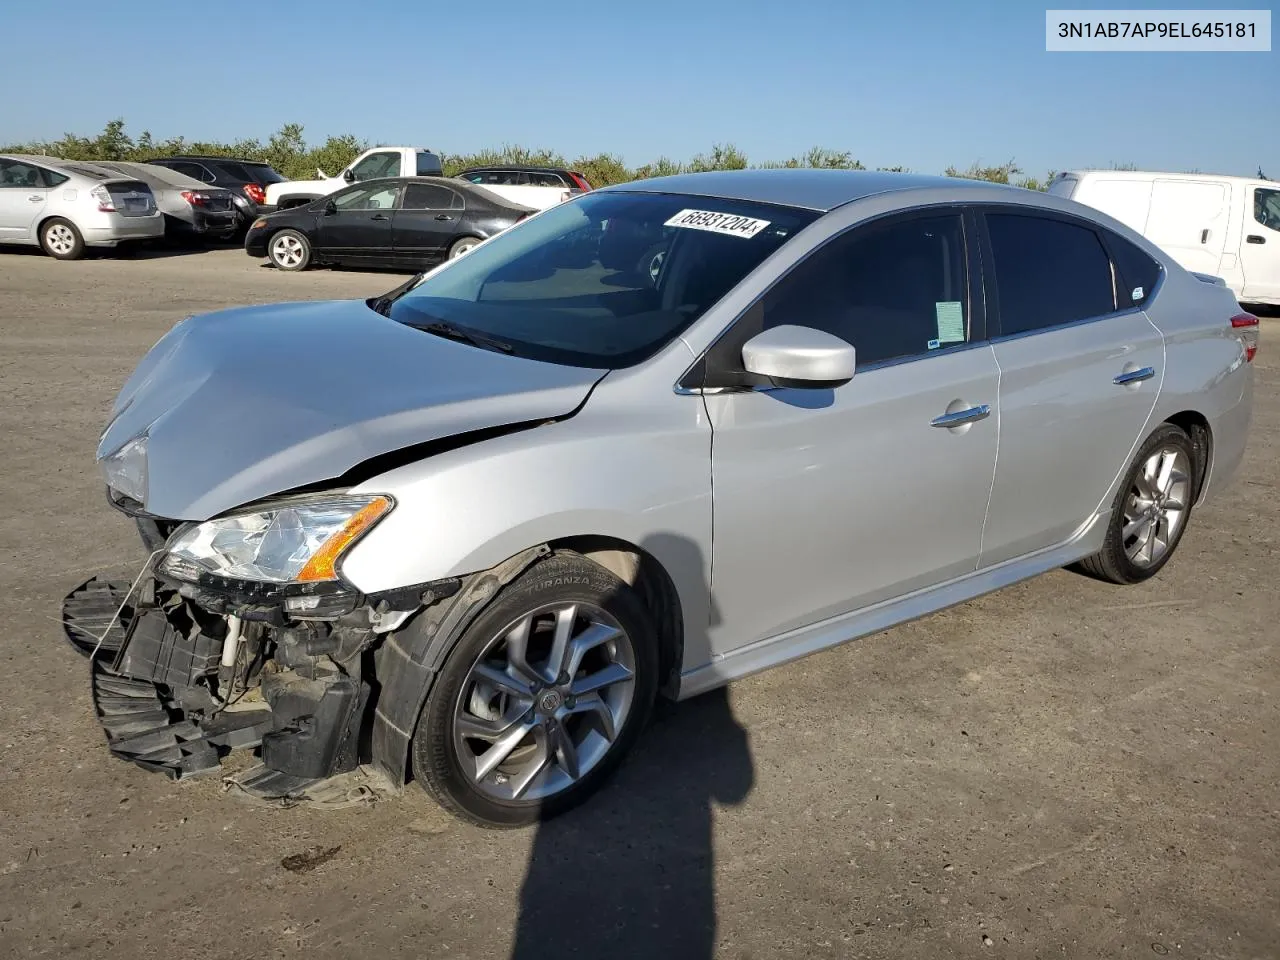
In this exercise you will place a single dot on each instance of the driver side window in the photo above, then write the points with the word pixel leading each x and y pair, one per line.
pixel 1266 207
pixel 377 165
pixel 368 198
pixel 895 290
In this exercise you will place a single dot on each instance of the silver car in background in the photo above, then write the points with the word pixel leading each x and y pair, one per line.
pixel 64 206
pixel 653 439
pixel 192 210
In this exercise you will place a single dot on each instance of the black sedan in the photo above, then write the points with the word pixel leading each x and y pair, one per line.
pixel 406 222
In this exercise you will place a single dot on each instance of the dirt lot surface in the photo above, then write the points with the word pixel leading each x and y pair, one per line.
pixel 1061 769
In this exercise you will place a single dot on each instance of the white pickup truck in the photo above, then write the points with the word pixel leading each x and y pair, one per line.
pixel 396 162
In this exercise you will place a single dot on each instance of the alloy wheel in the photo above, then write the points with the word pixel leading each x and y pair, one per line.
pixel 544 702
pixel 286 250
pixel 1156 506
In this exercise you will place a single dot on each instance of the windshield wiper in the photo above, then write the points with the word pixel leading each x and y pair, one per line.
pixel 442 329
pixel 383 303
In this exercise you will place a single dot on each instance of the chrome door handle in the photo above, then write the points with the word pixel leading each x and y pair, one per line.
pixel 380 216
pixel 36 199
pixel 443 216
pixel 980 412
pixel 1134 376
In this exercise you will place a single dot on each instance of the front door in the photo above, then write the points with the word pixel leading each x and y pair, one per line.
pixel 827 501
pixel 357 229
pixel 1260 251
pixel 23 196
pixel 425 224
pixel 1080 371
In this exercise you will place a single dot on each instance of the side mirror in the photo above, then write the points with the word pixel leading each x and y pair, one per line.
pixel 801 357
pixel 349 176
pixel 330 208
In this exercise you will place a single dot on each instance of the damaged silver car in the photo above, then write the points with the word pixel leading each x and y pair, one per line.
pixel 648 441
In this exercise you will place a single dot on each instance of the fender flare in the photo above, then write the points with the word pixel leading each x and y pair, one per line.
pixel 407 661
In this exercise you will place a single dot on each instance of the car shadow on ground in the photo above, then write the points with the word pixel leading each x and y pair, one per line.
pixel 631 873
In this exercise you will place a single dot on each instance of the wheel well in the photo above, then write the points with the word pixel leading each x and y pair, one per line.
pixel 1196 426
pixel 641 570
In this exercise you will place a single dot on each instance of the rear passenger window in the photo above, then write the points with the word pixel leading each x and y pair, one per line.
pixel 1048 272
pixel 893 291
pixel 1136 273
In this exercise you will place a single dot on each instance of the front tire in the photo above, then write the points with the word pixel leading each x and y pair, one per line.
pixel 289 250
pixel 542 697
pixel 1151 510
pixel 61 240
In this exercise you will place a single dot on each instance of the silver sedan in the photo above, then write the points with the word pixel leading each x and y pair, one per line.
pixel 651 440
pixel 64 206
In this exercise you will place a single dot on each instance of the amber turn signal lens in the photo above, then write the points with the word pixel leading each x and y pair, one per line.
pixel 323 563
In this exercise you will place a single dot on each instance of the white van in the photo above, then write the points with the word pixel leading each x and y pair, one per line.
pixel 1225 226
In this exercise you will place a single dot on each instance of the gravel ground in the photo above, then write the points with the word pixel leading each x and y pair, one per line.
pixel 1061 769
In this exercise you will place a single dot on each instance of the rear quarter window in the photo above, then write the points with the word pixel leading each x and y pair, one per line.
pixel 1048 272
pixel 1136 272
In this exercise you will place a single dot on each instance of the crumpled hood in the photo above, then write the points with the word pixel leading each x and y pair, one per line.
pixel 245 403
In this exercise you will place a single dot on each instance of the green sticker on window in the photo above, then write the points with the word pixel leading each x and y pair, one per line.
pixel 950 321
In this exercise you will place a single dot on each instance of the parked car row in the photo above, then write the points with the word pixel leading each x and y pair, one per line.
pixel 329 220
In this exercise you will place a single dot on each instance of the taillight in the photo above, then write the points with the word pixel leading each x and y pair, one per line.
pixel 194 198
pixel 105 203
pixel 580 182
pixel 1246 327
pixel 255 192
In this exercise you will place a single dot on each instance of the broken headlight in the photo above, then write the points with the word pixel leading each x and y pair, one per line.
pixel 126 470
pixel 298 541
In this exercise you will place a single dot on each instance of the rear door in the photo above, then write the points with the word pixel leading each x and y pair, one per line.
pixel 425 224
pixel 23 197
pixel 1080 370
pixel 1260 252
pixel 357 227
pixel 1188 220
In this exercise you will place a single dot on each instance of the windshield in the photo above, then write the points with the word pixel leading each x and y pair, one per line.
pixel 606 280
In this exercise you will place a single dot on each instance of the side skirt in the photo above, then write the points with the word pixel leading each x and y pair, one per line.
pixel 774 651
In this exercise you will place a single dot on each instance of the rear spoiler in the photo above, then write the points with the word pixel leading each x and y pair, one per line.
pixel 1209 278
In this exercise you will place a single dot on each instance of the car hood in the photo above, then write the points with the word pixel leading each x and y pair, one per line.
pixel 246 403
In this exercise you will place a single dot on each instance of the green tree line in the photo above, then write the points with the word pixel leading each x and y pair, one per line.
pixel 287 151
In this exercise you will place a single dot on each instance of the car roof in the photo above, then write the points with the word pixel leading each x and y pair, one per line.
pixel 202 157
pixel 820 190
pixel 1140 175
pixel 514 166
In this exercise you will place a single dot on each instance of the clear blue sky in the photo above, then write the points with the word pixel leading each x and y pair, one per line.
pixel 924 84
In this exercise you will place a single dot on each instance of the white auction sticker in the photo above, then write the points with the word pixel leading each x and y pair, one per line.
pixel 727 223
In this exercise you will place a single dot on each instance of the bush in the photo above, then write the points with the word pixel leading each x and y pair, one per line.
pixel 288 152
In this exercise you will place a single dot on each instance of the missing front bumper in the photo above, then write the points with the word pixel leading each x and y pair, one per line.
pixel 154 669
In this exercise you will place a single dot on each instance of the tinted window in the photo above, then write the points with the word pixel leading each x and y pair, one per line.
pixel 604 281
pixel 892 290
pixel 1048 272
pixel 186 168
pixel 52 179
pixel 542 179
pixel 1137 272
pixel 1266 207
pixel 430 196
pixel 499 177
pixel 429 165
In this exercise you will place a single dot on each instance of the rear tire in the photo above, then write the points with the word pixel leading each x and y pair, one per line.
pixel 61 240
pixel 1151 510
pixel 547 741
pixel 462 246
pixel 289 250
